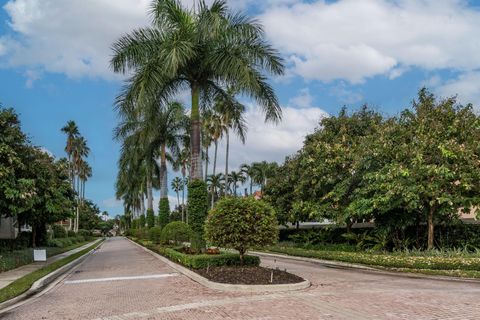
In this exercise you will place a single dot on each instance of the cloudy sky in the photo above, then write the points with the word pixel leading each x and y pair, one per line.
pixel 54 67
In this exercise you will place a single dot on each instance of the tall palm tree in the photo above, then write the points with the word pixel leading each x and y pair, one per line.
pixel 249 172
pixel 236 177
pixel 182 163
pixel 177 186
pixel 215 183
pixel 232 116
pixel 262 172
pixel 72 132
pixel 216 128
pixel 80 151
pixel 203 50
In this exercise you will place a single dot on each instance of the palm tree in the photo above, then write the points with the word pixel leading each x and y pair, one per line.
pixel 215 183
pixel 249 172
pixel 202 49
pixel 235 178
pixel 80 150
pixel 182 163
pixel 72 132
pixel 262 172
pixel 216 128
pixel 231 113
pixel 177 185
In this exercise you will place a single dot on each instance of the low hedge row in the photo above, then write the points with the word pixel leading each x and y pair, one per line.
pixel 201 261
pixel 66 242
pixel 385 260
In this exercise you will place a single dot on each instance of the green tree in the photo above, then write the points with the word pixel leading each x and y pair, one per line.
pixel 202 49
pixel 215 184
pixel 177 186
pixel 241 223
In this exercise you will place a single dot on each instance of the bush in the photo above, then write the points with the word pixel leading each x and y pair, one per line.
pixel 176 216
pixel 134 224
pixel 71 233
pixel 141 221
pixel 201 261
pixel 141 233
pixel 163 212
pixel 84 233
pixel 150 218
pixel 197 211
pixel 59 231
pixel 177 232
pixel 241 223
pixel 155 234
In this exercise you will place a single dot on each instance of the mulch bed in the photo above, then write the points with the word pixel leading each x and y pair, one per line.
pixel 247 275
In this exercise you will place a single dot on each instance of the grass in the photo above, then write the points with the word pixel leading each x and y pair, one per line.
pixel 21 285
pixel 459 266
pixel 17 258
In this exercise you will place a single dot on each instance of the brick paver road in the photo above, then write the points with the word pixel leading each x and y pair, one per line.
pixel 121 281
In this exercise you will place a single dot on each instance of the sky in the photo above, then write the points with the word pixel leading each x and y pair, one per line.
pixel 54 67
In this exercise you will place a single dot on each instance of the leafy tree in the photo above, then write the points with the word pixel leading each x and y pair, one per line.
pixel 241 223
pixel 89 216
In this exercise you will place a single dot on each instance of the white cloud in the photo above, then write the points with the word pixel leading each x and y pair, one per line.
pixel 303 100
pixel 344 94
pixel 112 203
pixel 270 142
pixel 357 39
pixel 466 86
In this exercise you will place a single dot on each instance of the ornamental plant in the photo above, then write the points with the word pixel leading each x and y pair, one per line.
pixel 163 212
pixel 177 232
pixel 150 218
pixel 197 212
pixel 241 223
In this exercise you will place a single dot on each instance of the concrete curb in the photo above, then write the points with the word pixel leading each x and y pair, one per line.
pixel 224 286
pixel 362 268
pixel 39 285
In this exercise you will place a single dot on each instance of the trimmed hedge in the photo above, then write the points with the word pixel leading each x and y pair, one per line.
pixel 155 234
pixel 197 211
pixel 163 212
pixel 150 218
pixel 385 260
pixel 177 232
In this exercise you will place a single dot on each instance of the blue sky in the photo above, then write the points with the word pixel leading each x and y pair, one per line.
pixel 54 67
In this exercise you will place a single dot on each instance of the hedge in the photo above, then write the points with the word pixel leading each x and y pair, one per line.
pixel 385 260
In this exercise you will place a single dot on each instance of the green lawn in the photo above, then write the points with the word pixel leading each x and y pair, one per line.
pixel 21 285
pixel 468 266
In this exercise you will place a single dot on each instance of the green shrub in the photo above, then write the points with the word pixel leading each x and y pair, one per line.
pixel 150 218
pixel 163 212
pixel 141 233
pixel 201 261
pixel 197 211
pixel 141 221
pixel 134 224
pixel 71 233
pixel 59 231
pixel 155 234
pixel 84 233
pixel 241 223
pixel 176 216
pixel 177 232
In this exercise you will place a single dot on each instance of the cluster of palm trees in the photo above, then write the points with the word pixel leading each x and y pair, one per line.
pixel 255 174
pixel 79 170
pixel 213 53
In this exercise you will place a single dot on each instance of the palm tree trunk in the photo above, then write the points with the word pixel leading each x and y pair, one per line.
pixel 163 174
pixel 196 159
pixel 215 157
pixel 178 199
pixel 251 186
pixel 149 192
pixel 183 195
pixel 206 163
pixel 226 161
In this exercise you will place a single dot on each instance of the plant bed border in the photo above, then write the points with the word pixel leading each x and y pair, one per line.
pixel 430 274
pixel 54 271
pixel 224 286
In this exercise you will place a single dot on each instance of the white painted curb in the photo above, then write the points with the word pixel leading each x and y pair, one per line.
pixel 225 286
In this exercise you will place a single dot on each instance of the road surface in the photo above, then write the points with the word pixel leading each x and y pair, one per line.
pixel 121 281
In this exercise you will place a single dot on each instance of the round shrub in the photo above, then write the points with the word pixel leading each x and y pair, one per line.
pixel 177 232
pixel 71 233
pixel 59 231
pixel 141 221
pixel 241 223
pixel 84 233
pixel 155 234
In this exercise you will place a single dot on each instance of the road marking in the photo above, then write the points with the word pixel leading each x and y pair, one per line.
pixel 153 276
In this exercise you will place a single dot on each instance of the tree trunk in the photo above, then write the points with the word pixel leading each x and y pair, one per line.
pixel 431 212
pixel 226 161
pixel 251 186
pixel 163 174
pixel 206 163
pixel 34 236
pixel 196 159
pixel 149 192
pixel 178 199
pixel 183 196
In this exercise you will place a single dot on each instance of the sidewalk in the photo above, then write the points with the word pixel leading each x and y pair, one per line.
pixel 10 276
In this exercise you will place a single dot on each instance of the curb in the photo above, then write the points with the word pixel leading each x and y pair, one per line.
pixel 39 285
pixel 362 268
pixel 224 286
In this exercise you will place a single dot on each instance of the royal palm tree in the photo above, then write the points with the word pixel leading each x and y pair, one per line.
pixel 80 151
pixel 216 128
pixel 177 186
pixel 249 172
pixel 262 172
pixel 232 116
pixel 215 183
pixel 205 49
pixel 72 132
pixel 236 177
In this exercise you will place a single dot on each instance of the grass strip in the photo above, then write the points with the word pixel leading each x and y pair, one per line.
pixel 21 285
pixel 385 260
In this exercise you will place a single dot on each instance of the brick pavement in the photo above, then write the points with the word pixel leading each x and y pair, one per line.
pixel 335 294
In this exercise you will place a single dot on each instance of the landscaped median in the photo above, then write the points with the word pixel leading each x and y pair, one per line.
pixel 223 271
pixel 468 267
pixel 23 284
